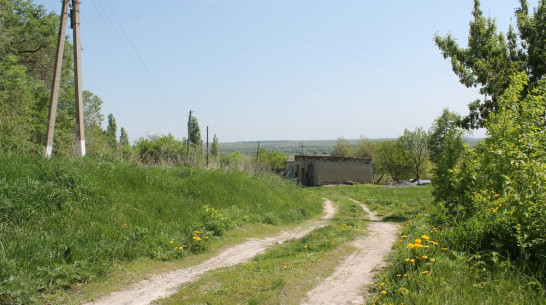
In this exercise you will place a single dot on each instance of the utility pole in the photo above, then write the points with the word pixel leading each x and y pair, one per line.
pixel 189 134
pixel 75 21
pixel 258 152
pixel 207 147
pixel 75 24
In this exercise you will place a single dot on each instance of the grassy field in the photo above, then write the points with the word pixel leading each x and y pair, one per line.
pixel 64 222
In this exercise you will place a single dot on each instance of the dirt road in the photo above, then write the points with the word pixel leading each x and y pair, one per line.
pixel 164 285
pixel 345 286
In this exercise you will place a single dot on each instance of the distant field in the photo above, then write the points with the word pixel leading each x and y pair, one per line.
pixel 316 147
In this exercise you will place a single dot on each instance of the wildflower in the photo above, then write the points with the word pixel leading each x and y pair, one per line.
pixel 399 275
pixel 434 243
pixel 197 238
pixel 382 284
pixel 418 241
pixel 383 292
pixel 404 236
pixel 418 246
pixel 305 247
pixel 425 237
pixel 433 260
pixel 425 272
pixel 444 249
pixel 412 261
pixel 410 245
pixel 426 247
pixel 124 225
pixel 285 266
pixel 196 232
pixel 406 260
pixel 180 248
pixel 205 237
pixel 406 275
pixel 425 257
pixel 171 242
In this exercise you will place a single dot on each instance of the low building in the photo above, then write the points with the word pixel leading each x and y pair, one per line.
pixel 321 170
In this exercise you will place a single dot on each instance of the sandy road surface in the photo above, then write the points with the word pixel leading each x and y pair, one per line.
pixel 356 272
pixel 164 285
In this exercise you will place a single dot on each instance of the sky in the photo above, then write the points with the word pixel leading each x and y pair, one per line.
pixel 276 70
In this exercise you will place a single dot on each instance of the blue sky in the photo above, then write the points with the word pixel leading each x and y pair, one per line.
pixel 277 69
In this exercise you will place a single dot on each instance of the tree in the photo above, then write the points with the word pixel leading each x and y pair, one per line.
pixel 365 148
pixel 492 58
pixel 393 159
pixel 414 143
pixel 342 149
pixel 446 148
pixel 215 149
pixel 111 130
pixel 123 137
pixel 195 133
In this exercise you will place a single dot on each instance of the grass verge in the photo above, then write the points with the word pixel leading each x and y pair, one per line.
pixel 64 222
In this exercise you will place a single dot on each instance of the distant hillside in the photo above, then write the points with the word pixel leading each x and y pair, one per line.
pixel 310 147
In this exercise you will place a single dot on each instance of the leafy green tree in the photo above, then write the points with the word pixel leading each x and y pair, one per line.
pixel 491 58
pixel 446 149
pixel 393 159
pixel 111 130
pixel 16 107
pixel 195 133
pixel 164 150
pixel 365 148
pixel 342 149
pixel 414 144
pixel 215 149
pixel 123 137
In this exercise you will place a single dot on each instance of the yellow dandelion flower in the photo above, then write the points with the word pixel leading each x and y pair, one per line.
pixel 426 247
pixel 196 232
pixel 383 292
pixel 171 242
pixel 382 284
pixel 406 275
pixel 418 241
pixel 418 246
pixel 406 260
pixel 125 225
pixel 444 249
pixel 410 245
pixel 205 237
pixel 425 237
pixel 305 247
pixel 425 272
pixel 425 257
pixel 433 260
pixel 180 248
pixel 285 266
pixel 404 236
pixel 412 260
pixel 399 275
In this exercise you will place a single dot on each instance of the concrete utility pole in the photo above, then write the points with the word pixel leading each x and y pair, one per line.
pixel 75 24
pixel 189 134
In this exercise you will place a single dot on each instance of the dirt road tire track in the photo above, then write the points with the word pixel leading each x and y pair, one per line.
pixel 346 284
pixel 164 285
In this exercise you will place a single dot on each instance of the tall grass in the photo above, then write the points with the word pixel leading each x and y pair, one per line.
pixel 66 221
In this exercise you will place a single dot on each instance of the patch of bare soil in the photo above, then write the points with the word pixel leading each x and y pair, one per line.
pixel 164 285
pixel 350 278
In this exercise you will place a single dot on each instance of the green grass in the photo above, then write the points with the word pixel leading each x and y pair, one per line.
pixel 285 272
pixel 64 222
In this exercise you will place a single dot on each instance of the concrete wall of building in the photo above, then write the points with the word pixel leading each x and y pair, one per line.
pixel 331 170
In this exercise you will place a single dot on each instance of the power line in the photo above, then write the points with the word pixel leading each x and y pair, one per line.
pixel 320 45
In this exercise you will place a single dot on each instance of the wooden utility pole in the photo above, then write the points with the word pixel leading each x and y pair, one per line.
pixel 75 24
pixel 258 152
pixel 207 147
pixel 189 134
